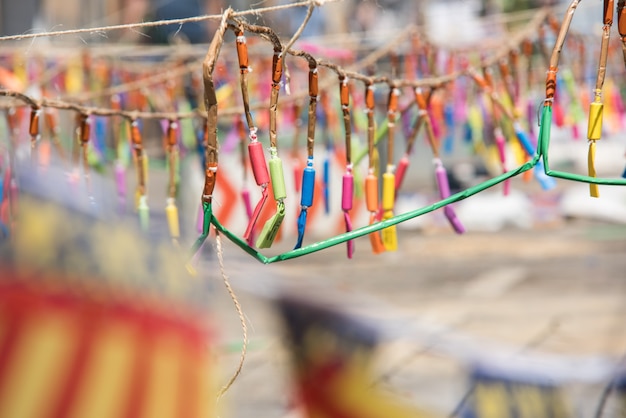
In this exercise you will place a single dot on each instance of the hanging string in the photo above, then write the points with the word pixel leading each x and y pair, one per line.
pixel 242 318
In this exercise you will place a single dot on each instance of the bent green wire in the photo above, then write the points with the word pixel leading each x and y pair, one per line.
pixel 365 230
pixel 543 146
pixel 541 154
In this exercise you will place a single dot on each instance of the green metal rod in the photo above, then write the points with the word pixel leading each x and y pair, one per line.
pixel 238 241
pixel 339 239
pixel 541 153
pixel 544 144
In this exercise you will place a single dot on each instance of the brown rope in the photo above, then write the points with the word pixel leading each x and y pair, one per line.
pixel 242 318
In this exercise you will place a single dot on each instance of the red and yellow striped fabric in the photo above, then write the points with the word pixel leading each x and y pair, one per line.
pixel 67 353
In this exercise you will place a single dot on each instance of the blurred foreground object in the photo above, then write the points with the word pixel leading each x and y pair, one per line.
pixel 333 356
pixel 495 393
pixel 95 321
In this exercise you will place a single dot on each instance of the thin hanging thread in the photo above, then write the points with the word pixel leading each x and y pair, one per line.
pixel 244 327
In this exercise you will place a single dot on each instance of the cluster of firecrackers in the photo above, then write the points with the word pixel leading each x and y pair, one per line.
pixel 483 102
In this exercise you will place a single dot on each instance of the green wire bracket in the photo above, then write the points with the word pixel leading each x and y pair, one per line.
pixel 541 154
pixel 543 146
pixel 365 230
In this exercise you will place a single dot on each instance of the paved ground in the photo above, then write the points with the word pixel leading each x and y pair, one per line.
pixel 555 290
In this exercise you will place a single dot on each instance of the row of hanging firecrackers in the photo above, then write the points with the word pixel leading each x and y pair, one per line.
pixel 308 174
pixel 383 187
pixel 83 154
pixel 519 133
